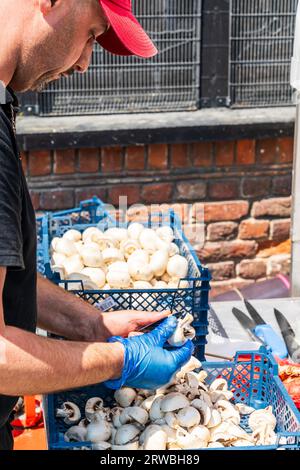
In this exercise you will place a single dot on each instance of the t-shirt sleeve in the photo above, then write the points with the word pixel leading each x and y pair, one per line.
pixel 11 242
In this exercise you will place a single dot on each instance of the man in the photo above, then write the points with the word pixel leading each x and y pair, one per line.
pixel 42 40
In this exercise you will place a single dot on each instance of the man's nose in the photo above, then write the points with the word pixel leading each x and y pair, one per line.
pixel 84 60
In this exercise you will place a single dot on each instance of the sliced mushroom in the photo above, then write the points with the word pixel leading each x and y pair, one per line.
pixel 262 417
pixel 154 438
pixel 228 411
pixel 126 434
pixel 70 412
pixel 156 412
pixel 99 429
pixel 173 401
pixel 93 405
pixel 188 417
pixel 76 434
pixel 243 409
pixel 134 414
pixel 184 331
pixel 204 410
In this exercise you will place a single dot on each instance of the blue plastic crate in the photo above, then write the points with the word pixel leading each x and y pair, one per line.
pixel 192 299
pixel 253 377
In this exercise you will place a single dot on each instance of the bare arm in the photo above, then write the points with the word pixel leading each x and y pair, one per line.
pixel 66 315
pixel 31 365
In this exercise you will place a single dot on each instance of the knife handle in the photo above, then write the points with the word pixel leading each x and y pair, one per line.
pixel 272 340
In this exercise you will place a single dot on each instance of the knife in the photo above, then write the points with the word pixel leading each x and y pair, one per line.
pixel 293 346
pixel 263 333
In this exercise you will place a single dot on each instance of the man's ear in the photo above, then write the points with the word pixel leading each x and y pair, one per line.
pixel 46 5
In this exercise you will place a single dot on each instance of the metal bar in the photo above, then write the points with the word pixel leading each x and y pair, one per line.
pixel 295 289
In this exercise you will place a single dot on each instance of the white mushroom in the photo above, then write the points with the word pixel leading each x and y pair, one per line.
pixel 73 264
pixel 147 403
pixel 140 271
pixel 165 233
pixel 118 279
pixel 72 235
pixel 93 406
pixel 215 419
pixel 173 401
pixel 115 416
pixel 118 266
pixel 154 438
pixel 162 285
pixel 127 433
pixel 148 240
pixel 264 435
pixel 70 412
pixel 134 230
pixel 76 434
pixel 173 249
pixel 139 256
pixel 204 410
pixel 155 412
pixel 58 259
pixel 111 255
pixel 218 385
pixel 188 417
pixel 184 331
pixel 262 417
pixel 177 266
pixel 198 438
pixel 128 247
pixel 244 409
pixel 102 445
pixel 134 414
pixel 91 256
pixel 129 446
pixel 125 396
pixel 190 366
pixel 91 234
pixel 144 285
pixel 99 429
pixel 65 247
pixel 228 411
pixel 97 276
pixel 117 234
pixel 158 262
pixel 84 282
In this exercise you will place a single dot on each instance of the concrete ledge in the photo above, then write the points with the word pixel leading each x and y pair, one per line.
pixel 35 133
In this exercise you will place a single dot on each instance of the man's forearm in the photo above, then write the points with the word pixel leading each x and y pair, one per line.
pixel 31 365
pixel 64 314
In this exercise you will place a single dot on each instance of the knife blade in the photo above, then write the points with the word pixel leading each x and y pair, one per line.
pixel 254 313
pixel 246 323
pixel 288 334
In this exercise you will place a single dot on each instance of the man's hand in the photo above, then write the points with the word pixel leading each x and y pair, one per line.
pixel 124 322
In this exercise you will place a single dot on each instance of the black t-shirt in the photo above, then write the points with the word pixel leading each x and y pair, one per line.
pixel 17 242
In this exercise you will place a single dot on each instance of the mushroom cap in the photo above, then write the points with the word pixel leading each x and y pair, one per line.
pixel 188 417
pixel 75 434
pixel 126 433
pixel 173 401
pixel 125 396
pixel 92 406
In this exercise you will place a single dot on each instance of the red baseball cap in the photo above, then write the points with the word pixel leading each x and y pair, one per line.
pixel 125 35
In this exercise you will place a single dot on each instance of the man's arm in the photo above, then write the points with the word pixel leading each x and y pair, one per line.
pixel 31 365
pixel 66 315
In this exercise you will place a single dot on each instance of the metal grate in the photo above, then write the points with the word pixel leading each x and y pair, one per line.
pixel 113 84
pixel 261 42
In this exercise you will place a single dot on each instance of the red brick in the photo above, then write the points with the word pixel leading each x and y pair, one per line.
pixel 131 191
pixel 222 231
pixel 222 190
pixel 195 233
pixel 219 288
pixel 252 269
pixel 158 157
pixel 24 161
pixel 180 156
pixel 245 152
pixel 222 211
pixel 286 149
pixel 201 154
pixel 135 158
pixel 35 198
pixel 256 187
pixel 64 162
pixel 40 163
pixel 222 271
pixel 111 159
pixel 282 185
pixel 157 193
pixel 224 153
pixel 191 190
pixel 267 151
pixel 279 264
pixel 277 207
pixel 280 230
pixel 88 160
pixel 83 194
pixel 57 199
pixel 252 229
pixel 222 251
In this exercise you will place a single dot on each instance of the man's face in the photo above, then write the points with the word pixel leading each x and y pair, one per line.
pixel 58 43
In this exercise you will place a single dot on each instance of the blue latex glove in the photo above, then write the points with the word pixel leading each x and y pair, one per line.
pixel 147 364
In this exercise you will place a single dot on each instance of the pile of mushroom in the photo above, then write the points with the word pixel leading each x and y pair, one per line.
pixel 119 258
pixel 186 414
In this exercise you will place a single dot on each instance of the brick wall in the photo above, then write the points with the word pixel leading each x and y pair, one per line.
pixel 243 188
